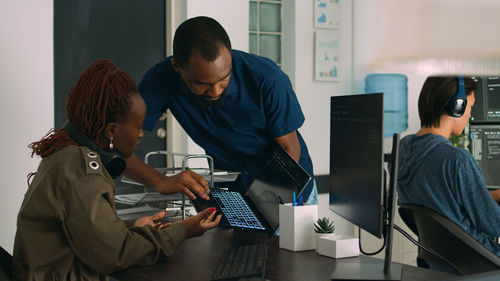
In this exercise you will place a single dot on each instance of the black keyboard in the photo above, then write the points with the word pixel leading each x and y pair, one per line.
pixel 242 261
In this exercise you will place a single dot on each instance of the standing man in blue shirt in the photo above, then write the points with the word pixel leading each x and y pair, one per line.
pixel 237 106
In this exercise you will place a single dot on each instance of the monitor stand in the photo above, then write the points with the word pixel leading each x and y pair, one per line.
pixel 365 268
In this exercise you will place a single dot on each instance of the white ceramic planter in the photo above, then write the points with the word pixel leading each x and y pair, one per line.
pixel 338 247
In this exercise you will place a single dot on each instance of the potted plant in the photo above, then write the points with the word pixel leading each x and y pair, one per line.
pixel 323 227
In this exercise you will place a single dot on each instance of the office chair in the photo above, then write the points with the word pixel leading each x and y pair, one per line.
pixel 5 265
pixel 448 240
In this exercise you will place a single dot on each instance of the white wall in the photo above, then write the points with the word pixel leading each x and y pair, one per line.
pixel 314 96
pixel 231 14
pixel 367 20
pixel 26 107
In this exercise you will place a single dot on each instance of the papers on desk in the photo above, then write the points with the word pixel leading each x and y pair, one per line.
pixel 134 198
pixel 201 172
pixel 141 209
pixel 137 212
pixel 134 213
pixel 130 199
pixel 218 176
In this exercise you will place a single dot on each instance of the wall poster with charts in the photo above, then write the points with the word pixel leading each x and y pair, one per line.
pixel 327 14
pixel 327 56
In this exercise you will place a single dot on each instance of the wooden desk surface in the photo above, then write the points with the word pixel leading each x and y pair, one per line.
pixel 197 258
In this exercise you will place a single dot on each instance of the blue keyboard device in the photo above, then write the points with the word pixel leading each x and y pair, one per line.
pixel 235 209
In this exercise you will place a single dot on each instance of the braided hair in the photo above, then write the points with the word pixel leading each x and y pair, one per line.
pixel 101 95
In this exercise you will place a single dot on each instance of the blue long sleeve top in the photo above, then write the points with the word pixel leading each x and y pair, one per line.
pixel 435 174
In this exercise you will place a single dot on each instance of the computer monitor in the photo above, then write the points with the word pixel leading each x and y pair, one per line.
pixel 357 179
pixel 485 147
pixel 485 128
pixel 487 106
pixel 357 160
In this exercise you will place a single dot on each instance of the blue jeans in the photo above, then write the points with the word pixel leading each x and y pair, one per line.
pixel 313 197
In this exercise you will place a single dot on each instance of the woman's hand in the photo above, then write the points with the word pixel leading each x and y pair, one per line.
pixel 149 220
pixel 203 221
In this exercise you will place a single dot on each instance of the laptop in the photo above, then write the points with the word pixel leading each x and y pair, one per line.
pixel 258 208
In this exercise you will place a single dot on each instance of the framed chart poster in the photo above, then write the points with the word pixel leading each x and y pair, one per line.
pixel 327 56
pixel 327 14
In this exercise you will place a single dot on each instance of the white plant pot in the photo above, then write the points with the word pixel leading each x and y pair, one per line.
pixel 318 235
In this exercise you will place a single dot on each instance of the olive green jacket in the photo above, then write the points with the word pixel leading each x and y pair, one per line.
pixel 68 229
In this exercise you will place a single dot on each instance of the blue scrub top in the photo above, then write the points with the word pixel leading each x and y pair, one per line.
pixel 260 105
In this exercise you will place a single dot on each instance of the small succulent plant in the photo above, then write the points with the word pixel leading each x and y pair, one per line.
pixel 324 225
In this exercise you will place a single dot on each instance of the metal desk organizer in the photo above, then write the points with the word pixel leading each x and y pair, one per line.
pixel 209 174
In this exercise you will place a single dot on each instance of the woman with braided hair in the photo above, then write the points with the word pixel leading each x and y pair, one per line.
pixel 67 227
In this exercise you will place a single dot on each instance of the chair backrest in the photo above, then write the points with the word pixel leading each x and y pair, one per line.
pixel 5 265
pixel 448 240
pixel 406 215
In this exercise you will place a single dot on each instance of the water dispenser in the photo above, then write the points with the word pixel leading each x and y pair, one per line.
pixel 395 89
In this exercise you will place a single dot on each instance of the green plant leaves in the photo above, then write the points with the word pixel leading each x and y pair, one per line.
pixel 324 225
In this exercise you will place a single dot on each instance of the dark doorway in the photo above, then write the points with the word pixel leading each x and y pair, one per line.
pixel 131 33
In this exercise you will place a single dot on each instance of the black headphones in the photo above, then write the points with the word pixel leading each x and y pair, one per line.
pixel 113 161
pixel 458 103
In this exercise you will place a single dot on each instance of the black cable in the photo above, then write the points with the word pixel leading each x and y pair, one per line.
pixel 385 224
pixel 361 249
pixel 424 247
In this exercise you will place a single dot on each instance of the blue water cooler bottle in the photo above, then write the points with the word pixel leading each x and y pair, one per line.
pixel 395 89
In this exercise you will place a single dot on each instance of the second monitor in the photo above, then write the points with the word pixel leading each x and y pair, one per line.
pixel 485 147
pixel 357 183
pixel 356 160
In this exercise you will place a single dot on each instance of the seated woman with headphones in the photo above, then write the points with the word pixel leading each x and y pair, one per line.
pixel 435 174
pixel 68 228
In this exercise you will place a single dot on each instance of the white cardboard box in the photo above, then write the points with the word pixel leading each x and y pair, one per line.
pixel 296 226
pixel 339 246
pixel 318 235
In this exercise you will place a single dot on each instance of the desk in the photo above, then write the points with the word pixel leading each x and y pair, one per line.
pixel 197 258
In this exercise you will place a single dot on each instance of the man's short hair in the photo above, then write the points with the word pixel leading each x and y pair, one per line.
pixel 203 34
pixel 436 93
